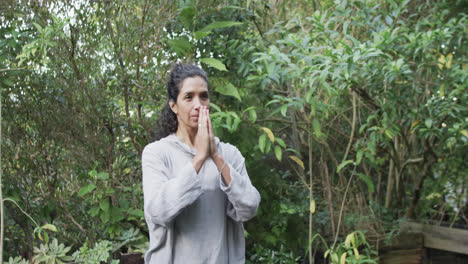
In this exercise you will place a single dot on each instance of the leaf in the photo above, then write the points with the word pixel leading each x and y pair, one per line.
pixel 116 214
pixel 221 24
pixel 343 258
pixel 86 189
pixel 261 143
pixel 49 227
pixel 272 102
pixel 343 164
pixel 186 16
pixel 46 237
pixel 104 205
pixel 280 142
pixel 448 60
pixel 67 258
pixel 267 146
pixel 464 132
pixel 39 28
pixel 356 253
pixel 284 109
pixel 367 180
pixel 348 239
pixel 217 64
pixel 94 211
pixel 326 253
pixel 298 161
pixel 359 156
pixel 270 67
pixel 441 62
pixel 7 82
pixel 253 115
pixel 388 133
pixel 104 216
pixel 312 206
pixel 442 90
pixel 136 212
pixel 102 176
pixel 269 134
pixel 212 105
pixel 201 34
pixel 235 125
pixel 227 88
pixel 92 173
pixel 278 152
pixel 110 190
pixel 180 45
pixel 428 123
pixel 316 126
pixel 413 125
pixel 334 258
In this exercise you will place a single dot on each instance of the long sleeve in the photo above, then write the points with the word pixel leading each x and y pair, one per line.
pixel 192 217
pixel 242 195
pixel 166 195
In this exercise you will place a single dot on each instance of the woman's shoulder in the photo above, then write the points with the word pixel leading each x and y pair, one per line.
pixel 159 146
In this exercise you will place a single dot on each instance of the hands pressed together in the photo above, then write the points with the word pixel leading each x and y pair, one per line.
pixel 204 140
pixel 206 146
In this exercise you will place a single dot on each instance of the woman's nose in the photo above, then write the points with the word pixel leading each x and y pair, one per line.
pixel 197 102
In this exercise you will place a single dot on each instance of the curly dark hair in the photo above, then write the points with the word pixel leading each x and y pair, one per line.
pixel 167 122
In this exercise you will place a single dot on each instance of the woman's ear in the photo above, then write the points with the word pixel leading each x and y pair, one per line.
pixel 173 106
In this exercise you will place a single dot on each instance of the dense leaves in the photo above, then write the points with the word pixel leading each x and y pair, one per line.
pixel 352 117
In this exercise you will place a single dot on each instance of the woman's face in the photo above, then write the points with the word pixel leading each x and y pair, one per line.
pixel 192 95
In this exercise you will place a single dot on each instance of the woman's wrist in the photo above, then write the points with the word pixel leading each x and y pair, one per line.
pixel 217 158
pixel 223 167
pixel 219 162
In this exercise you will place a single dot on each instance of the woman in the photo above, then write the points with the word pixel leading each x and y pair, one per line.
pixel 196 189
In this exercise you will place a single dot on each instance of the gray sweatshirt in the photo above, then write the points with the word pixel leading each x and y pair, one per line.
pixel 195 218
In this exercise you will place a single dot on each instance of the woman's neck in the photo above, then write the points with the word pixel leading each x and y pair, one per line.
pixel 187 135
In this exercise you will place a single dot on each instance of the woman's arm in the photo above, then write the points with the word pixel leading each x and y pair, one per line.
pixel 222 168
pixel 242 195
pixel 164 196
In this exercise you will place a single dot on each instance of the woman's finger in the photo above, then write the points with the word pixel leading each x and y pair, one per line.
pixel 201 120
pixel 205 121
pixel 213 147
pixel 210 128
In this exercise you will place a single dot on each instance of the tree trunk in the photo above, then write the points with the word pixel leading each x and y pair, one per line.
pixel 388 195
pixel 311 199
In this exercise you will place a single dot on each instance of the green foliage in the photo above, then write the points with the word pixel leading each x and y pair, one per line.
pixel 265 255
pixel 42 233
pixel 378 68
pixel 133 240
pixel 38 48
pixel 215 64
pixel 16 260
pixel 101 252
pixel 99 198
pixel 225 87
pixel 311 92
pixel 355 249
pixel 52 253
pixel 224 119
